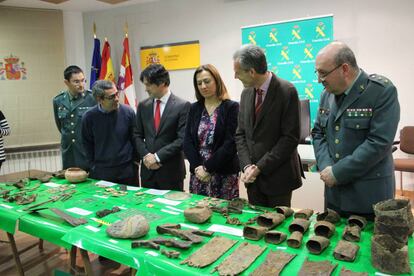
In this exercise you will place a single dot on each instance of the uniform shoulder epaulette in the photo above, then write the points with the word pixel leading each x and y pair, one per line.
pixel 383 81
pixel 61 93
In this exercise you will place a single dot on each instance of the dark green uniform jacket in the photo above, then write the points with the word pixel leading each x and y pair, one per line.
pixel 355 138
pixel 68 117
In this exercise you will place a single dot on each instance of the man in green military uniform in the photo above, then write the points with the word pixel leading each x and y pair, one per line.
pixel 69 107
pixel 353 134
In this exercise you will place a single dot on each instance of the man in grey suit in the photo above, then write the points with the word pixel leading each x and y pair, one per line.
pixel 357 120
pixel 160 130
pixel 268 131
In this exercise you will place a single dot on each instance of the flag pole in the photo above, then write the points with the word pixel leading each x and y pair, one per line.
pixel 126 29
pixel 94 30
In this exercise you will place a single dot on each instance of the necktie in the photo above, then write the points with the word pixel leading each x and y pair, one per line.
pixel 157 116
pixel 259 101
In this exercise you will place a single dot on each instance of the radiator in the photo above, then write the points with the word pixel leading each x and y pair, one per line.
pixel 44 160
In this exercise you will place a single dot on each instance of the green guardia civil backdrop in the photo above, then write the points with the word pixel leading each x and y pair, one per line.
pixel 291 48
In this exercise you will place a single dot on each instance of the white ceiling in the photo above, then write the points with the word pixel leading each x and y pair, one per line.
pixel 71 5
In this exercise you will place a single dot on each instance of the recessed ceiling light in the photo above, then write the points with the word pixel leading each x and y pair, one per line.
pixel 112 2
pixel 54 1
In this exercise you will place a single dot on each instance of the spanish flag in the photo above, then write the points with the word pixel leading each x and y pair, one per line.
pixel 107 69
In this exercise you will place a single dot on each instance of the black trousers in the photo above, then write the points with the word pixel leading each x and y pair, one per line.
pixel 257 197
pixel 162 185
pixel 346 214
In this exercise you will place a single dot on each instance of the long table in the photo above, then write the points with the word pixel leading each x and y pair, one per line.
pixel 153 205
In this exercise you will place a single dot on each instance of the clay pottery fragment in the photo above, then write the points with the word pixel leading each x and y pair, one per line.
pixel 270 219
pixel 395 216
pixel 329 215
pixel 300 225
pixel 352 233
pixel 346 251
pixel 59 174
pixel 197 214
pixel 284 210
pixel 295 239
pixel 129 228
pixel 254 233
pixel 317 244
pixel 75 175
pixel 45 178
pixel 303 214
pixel 389 256
pixel 357 220
pixel 324 228
pixel 347 272
pixel 275 237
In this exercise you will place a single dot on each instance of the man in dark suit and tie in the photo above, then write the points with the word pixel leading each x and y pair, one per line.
pixel 268 131
pixel 160 130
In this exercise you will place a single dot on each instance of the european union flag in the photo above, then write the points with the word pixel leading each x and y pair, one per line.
pixel 96 62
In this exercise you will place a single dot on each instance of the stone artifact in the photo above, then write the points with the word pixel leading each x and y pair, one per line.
pixel 317 268
pixel 303 214
pixel 329 215
pixel 275 237
pixel 209 252
pixel 170 242
pixel 75 175
pixel 347 272
pixel 59 174
pixel 145 243
pixel 357 220
pixel 240 259
pixel 324 228
pixel 394 217
pixel 295 239
pixel 105 212
pixel 274 263
pixel 177 196
pixel 45 178
pixel 197 214
pixel 389 255
pixel 346 251
pixel 317 244
pixel 254 233
pixel 352 233
pixel 270 219
pixel 284 210
pixel 68 218
pixel 172 254
pixel 129 228
pixel 300 225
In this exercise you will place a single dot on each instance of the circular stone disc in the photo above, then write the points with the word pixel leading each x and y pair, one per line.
pixel 177 196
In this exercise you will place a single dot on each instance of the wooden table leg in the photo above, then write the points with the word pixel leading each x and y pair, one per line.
pixel 40 244
pixel 15 254
pixel 72 259
pixel 133 272
pixel 86 262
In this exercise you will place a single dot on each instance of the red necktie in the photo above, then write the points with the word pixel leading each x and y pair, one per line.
pixel 157 116
pixel 259 101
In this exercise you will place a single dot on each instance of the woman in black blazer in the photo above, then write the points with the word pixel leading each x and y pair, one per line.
pixel 209 138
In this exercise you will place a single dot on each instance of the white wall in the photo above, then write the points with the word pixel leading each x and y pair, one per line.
pixel 378 31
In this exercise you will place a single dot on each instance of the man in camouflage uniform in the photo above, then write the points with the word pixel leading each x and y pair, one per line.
pixel 69 107
pixel 353 134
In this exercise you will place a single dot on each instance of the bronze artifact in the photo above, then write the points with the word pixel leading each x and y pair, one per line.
pixel 270 219
pixel 300 225
pixel 129 228
pixel 75 175
pixel 389 255
pixel 274 263
pixel 59 174
pixel 347 272
pixel 317 244
pixel 145 243
pixel 197 214
pixel 254 233
pixel 275 237
pixel 295 239
pixel 236 205
pixel 284 210
pixel 209 252
pixel 316 268
pixel 357 220
pixel 105 212
pixel 240 259
pixel 170 242
pixel 346 251
pixel 324 228
pixel 172 254
pixel 303 214
pixel 188 235
pixel 329 215
pixel 68 218
pixel 352 233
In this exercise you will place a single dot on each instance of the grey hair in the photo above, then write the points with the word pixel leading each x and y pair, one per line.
pixel 98 89
pixel 345 55
pixel 251 56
